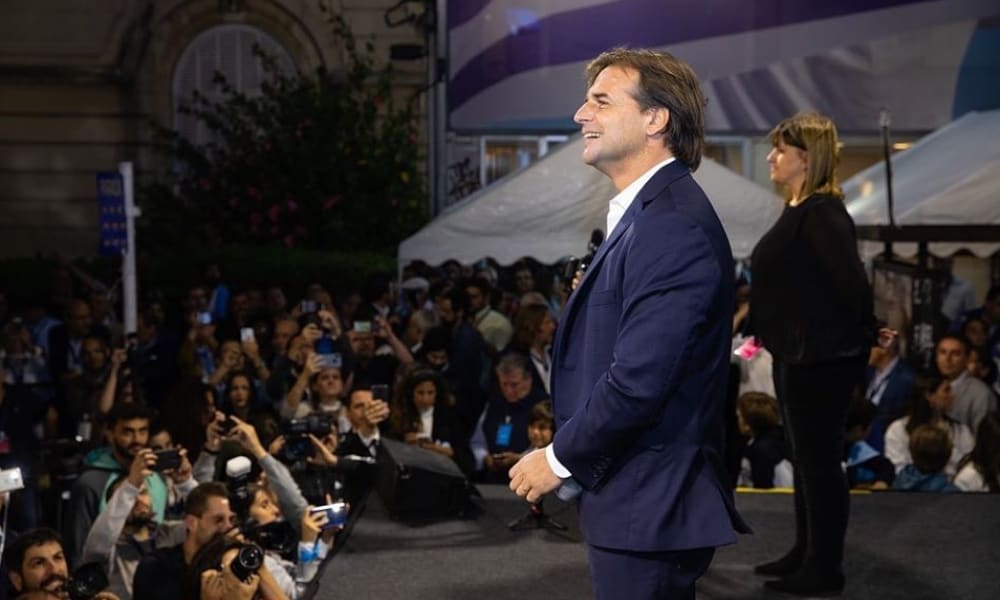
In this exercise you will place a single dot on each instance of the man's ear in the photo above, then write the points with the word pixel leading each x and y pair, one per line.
pixel 657 121
pixel 16 581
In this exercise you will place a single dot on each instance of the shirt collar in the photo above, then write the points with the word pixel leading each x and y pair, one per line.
pixel 620 203
pixel 888 368
pixel 959 381
pixel 374 437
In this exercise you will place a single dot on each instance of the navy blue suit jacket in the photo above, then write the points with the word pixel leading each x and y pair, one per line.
pixel 893 404
pixel 640 370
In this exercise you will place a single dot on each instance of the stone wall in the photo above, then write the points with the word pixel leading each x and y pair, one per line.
pixel 79 81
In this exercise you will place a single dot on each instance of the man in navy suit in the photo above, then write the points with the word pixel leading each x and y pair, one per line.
pixel 890 384
pixel 642 350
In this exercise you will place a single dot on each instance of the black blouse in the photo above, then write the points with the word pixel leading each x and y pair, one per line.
pixel 810 298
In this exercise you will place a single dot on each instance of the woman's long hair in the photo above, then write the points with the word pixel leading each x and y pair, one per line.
pixel 920 411
pixel 526 324
pixel 404 417
pixel 207 557
pixel 816 134
pixel 985 455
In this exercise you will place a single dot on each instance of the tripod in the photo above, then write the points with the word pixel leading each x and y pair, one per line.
pixel 536 519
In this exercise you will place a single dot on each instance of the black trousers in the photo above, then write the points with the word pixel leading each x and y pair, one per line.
pixel 813 400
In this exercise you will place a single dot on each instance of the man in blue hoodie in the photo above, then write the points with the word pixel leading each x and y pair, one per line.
pixel 127 432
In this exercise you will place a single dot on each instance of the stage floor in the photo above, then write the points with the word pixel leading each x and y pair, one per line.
pixel 899 546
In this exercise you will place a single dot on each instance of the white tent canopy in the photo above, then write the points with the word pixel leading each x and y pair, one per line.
pixel 549 210
pixel 949 177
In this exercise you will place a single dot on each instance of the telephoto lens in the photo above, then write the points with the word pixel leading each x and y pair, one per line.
pixel 247 561
pixel 87 581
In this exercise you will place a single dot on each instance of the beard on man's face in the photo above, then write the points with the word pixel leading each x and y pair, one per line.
pixel 127 452
pixel 139 521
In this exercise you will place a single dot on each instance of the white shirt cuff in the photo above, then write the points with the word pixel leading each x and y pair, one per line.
pixel 554 464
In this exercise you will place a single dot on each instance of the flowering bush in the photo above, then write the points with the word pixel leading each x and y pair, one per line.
pixel 326 161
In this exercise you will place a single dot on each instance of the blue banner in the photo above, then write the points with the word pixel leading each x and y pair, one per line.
pixel 111 211
pixel 517 66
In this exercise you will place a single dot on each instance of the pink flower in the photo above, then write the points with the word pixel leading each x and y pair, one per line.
pixel 253 192
pixel 234 202
pixel 274 230
pixel 292 206
pixel 272 212
pixel 331 201
pixel 289 240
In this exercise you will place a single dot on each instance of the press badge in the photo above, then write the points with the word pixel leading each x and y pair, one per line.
pixel 503 435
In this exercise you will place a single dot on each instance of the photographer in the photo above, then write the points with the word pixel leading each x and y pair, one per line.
pixel 118 385
pixel 319 388
pixel 36 563
pixel 196 356
pixel 82 394
pixel 235 357
pixel 288 494
pixel 260 505
pixel 365 414
pixel 314 540
pixel 295 404
pixel 126 530
pixel 368 334
pixel 162 574
pixel 21 408
pixel 228 569
pixel 289 365
pixel 127 432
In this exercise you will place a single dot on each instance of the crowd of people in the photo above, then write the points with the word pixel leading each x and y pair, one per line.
pixel 905 429
pixel 208 454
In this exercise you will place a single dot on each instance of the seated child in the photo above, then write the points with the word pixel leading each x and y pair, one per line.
pixel 764 463
pixel 866 467
pixel 540 425
pixel 930 447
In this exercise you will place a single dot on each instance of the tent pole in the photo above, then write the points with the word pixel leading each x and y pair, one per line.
pixel 883 121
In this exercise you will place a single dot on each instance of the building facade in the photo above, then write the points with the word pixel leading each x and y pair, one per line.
pixel 80 83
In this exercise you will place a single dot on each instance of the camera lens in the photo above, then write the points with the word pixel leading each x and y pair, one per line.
pixel 87 581
pixel 248 560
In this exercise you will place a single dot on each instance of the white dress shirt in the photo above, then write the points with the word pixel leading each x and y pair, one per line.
pixel 620 203
pixel 427 423
pixel 877 387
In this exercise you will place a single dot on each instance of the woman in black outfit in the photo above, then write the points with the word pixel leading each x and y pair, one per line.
pixel 812 309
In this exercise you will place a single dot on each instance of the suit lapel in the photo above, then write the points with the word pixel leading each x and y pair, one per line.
pixel 616 236
pixel 653 188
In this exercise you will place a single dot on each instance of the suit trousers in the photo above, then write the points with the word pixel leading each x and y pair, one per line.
pixel 814 400
pixel 671 575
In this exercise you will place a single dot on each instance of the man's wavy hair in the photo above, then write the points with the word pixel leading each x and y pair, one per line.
pixel 664 82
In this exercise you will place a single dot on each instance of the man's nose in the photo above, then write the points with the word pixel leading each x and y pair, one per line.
pixel 582 114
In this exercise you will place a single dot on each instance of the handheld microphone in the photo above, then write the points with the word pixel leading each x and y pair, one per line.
pixel 596 239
